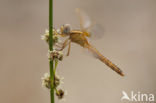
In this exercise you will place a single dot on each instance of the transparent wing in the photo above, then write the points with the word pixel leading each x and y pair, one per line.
pixel 84 19
pixel 96 30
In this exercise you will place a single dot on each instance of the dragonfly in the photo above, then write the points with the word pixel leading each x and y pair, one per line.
pixel 79 36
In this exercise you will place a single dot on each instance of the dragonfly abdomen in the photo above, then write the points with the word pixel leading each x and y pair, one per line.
pixel 98 55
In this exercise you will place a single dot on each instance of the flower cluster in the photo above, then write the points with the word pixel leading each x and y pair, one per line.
pixel 56 36
pixel 56 56
pixel 46 82
pixel 58 81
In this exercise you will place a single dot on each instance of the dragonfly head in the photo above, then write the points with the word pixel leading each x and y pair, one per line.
pixel 65 30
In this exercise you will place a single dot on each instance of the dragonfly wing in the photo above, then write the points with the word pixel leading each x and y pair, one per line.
pixel 84 19
pixel 96 30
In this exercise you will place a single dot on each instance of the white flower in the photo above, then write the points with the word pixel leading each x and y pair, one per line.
pixel 58 31
pixel 45 36
pixel 46 81
pixel 46 31
pixel 58 80
pixel 56 39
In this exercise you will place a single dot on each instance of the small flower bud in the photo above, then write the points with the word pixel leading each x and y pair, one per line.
pixel 60 93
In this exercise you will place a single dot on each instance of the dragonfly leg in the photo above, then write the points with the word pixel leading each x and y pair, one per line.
pixel 59 46
pixel 69 48
pixel 64 44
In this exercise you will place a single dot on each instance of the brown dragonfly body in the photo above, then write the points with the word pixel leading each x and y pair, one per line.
pixel 80 37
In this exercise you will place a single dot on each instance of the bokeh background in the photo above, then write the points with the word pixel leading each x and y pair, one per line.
pixel 129 41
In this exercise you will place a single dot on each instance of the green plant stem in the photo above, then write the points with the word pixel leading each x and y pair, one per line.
pixel 51 48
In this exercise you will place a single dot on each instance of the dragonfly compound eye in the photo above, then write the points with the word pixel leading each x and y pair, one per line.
pixel 66 29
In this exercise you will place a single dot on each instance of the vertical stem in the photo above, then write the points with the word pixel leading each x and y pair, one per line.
pixel 51 47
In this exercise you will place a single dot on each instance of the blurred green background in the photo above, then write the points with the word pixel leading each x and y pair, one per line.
pixel 129 41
